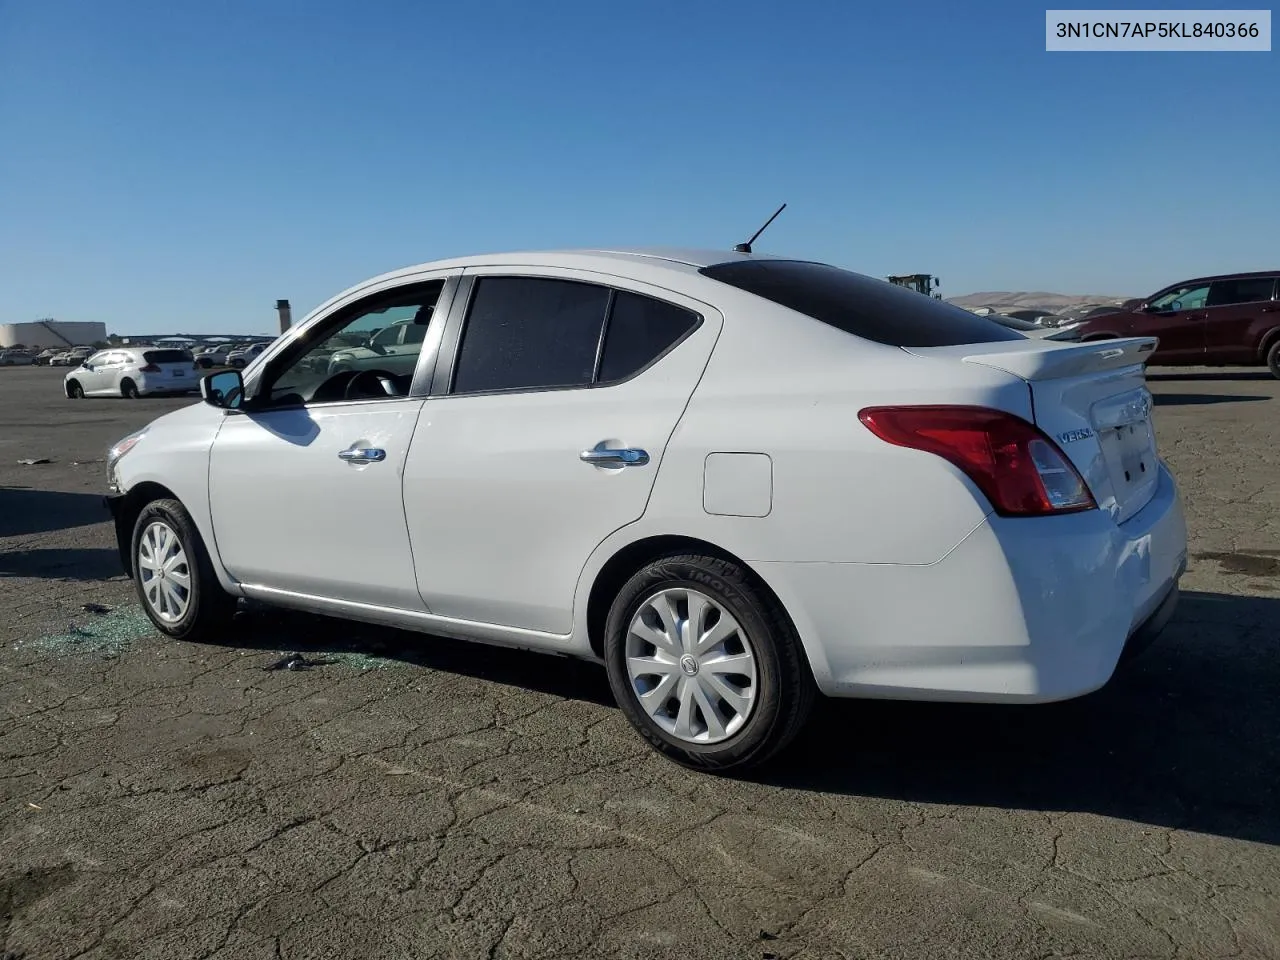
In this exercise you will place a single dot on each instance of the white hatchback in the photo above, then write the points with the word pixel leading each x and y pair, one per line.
pixel 133 372
pixel 739 481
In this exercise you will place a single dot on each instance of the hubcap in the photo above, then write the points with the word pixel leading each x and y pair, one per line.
pixel 165 572
pixel 692 667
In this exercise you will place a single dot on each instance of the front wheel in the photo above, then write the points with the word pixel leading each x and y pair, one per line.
pixel 1273 359
pixel 75 391
pixel 706 665
pixel 174 576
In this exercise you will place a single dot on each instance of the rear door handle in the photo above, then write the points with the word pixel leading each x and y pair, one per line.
pixel 362 455
pixel 602 456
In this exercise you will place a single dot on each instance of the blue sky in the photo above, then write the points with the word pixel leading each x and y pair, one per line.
pixel 181 165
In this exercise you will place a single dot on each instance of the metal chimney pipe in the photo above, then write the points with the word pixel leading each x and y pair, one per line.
pixel 286 315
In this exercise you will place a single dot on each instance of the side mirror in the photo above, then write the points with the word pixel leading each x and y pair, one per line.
pixel 224 389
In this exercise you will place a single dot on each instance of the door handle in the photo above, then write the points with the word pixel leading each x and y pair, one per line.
pixel 362 455
pixel 1197 316
pixel 602 456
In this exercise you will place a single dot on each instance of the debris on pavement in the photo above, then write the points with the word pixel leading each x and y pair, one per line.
pixel 97 608
pixel 297 661
pixel 34 461
pixel 109 634
pixel 85 463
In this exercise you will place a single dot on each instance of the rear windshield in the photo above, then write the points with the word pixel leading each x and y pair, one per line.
pixel 868 308
pixel 167 356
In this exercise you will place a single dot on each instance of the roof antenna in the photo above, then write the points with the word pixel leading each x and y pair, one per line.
pixel 746 247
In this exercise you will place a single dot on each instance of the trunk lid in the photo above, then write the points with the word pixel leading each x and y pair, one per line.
pixel 1092 400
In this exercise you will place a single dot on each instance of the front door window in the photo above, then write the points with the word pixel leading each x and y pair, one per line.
pixel 369 352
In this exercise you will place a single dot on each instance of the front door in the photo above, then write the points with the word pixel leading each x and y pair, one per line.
pixel 1177 317
pixel 1235 313
pixel 95 373
pixel 562 397
pixel 305 481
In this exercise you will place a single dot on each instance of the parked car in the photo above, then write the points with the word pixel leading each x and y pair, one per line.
pixel 132 372
pixel 394 348
pixel 1042 318
pixel 1034 330
pixel 1227 320
pixel 14 358
pixel 45 357
pixel 739 481
pixel 243 356
pixel 207 357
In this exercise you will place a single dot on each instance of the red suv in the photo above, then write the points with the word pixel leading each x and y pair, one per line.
pixel 1216 321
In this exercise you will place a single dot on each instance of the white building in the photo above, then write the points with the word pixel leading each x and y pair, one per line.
pixel 52 333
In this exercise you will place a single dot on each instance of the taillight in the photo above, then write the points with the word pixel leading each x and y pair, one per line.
pixel 149 368
pixel 1019 469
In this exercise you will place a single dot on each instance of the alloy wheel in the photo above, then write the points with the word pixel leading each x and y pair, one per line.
pixel 692 667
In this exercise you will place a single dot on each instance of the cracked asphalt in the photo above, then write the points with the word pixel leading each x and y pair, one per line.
pixel 413 797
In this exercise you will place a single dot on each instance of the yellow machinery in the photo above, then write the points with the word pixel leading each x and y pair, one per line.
pixel 919 282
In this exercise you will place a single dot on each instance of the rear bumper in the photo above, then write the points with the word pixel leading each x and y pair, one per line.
pixel 1023 610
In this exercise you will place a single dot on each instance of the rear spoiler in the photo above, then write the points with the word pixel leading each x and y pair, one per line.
pixel 1033 360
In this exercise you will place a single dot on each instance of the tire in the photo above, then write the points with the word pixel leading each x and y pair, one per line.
pixel 75 391
pixel 1273 358
pixel 782 691
pixel 129 389
pixel 208 608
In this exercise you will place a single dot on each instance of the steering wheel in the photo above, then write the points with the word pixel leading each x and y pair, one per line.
pixel 371 383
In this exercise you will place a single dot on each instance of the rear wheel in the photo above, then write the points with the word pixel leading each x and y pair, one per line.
pixel 75 391
pixel 705 664
pixel 174 576
pixel 1273 358
pixel 128 389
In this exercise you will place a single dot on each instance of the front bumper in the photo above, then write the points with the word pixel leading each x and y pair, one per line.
pixel 1024 610
pixel 115 503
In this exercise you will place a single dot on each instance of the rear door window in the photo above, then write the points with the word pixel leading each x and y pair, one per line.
pixel 1224 293
pixel 863 306
pixel 525 333
pixel 640 330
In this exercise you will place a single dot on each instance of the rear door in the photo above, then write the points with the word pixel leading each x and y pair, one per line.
pixel 1234 312
pixel 553 403
pixel 1175 316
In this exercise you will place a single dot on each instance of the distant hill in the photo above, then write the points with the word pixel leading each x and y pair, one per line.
pixel 1060 303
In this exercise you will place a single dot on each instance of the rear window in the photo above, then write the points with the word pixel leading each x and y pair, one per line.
pixel 167 356
pixel 868 308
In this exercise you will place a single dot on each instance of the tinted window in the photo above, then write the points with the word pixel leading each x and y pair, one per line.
pixel 1251 290
pixel 524 332
pixel 167 356
pixel 1186 297
pixel 640 329
pixel 868 308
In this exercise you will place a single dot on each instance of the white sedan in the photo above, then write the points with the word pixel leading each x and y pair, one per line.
pixel 739 481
